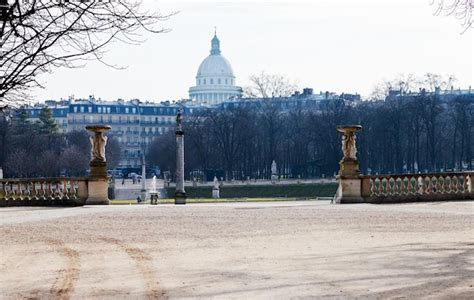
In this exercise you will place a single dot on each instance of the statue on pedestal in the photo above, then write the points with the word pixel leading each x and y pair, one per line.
pixel 98 143
pixel 349 146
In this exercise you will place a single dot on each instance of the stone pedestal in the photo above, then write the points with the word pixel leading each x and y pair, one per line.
pixel 350 181
pixel 215 194
pixel 98 182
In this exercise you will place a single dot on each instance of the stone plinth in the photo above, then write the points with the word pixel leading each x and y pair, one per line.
pixel 98 183
pixel 215 194
pixel 350 181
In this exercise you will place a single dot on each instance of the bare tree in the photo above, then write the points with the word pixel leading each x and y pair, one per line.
pixel 461 9
pixel 266 85
pixel 74 161
pixel 37 36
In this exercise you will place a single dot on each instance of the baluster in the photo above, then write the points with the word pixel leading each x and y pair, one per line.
pixel 64 191
pixel 381 187
pixel 49 192
pixel 441 184
pixel 373 188
pixel 434 184
pixel 458 185
pixel 431 186
pixel 421 185
pixel 34 192
pixel 386 187
pixel 469 184
pixel 404 186
pixel 72 190
pixel 2 191
pixel 464 184
pixel 409 186
pixel 394 186
pixel 449 184
pixel 57 191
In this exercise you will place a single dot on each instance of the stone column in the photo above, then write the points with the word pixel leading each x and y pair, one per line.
pixel 350 180
pixel 98 180
pixel 179 194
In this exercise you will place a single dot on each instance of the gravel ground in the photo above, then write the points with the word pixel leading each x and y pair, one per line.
pixel 237 250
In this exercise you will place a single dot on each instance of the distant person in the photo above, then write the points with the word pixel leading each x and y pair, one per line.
pixel 123 181
pixel 139 199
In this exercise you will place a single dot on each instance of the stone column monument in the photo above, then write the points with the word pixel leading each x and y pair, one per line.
pixel 179 194
pixel 98 181
pixel 350 187
pixel 215 189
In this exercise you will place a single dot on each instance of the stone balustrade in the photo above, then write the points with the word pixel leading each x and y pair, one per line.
pixel 357 188
pixel 43 191
pixel 417 187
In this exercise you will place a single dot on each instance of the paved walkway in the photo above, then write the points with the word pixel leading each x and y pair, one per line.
pixel 239 250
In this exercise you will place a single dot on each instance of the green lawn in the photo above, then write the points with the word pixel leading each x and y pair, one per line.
pixel 211 200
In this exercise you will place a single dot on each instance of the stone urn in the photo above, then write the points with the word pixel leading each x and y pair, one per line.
pixel 350 183
pixel 98 180
pixel 349 166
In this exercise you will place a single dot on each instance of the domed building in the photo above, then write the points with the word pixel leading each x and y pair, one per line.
pixel 215 80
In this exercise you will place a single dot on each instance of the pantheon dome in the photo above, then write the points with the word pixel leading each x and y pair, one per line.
pixel 215 80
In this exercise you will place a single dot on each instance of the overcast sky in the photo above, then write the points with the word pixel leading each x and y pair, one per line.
pixel 341 46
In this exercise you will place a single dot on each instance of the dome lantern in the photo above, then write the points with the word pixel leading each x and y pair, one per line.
pixel 215 46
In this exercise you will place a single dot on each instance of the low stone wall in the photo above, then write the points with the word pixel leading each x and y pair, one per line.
pixel 61 191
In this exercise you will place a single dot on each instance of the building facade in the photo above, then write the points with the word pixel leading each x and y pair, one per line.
pixel 134 124
pixel 215 79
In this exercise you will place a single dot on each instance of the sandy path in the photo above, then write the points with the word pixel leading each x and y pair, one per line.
pixel 255 250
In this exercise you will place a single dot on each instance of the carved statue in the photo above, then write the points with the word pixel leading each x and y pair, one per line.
pixel 349 146
pixel 98 143
pixel 274 168
pixel 216 183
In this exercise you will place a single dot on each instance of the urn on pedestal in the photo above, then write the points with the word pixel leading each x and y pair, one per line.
pixel 349 189
pixel 98 180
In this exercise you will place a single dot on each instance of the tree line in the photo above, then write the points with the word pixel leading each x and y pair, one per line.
pixel 422 132
pixel 40 149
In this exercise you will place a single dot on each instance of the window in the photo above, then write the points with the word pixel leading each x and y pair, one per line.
pixel 126 110
pixel 226 81
pixel 134 110
pixel 219 81
pixel 82 109
pixel 99 110
pixel 89 108
pixel 75 109
pixel 212 81
pixel 204 81
pixel 108 110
